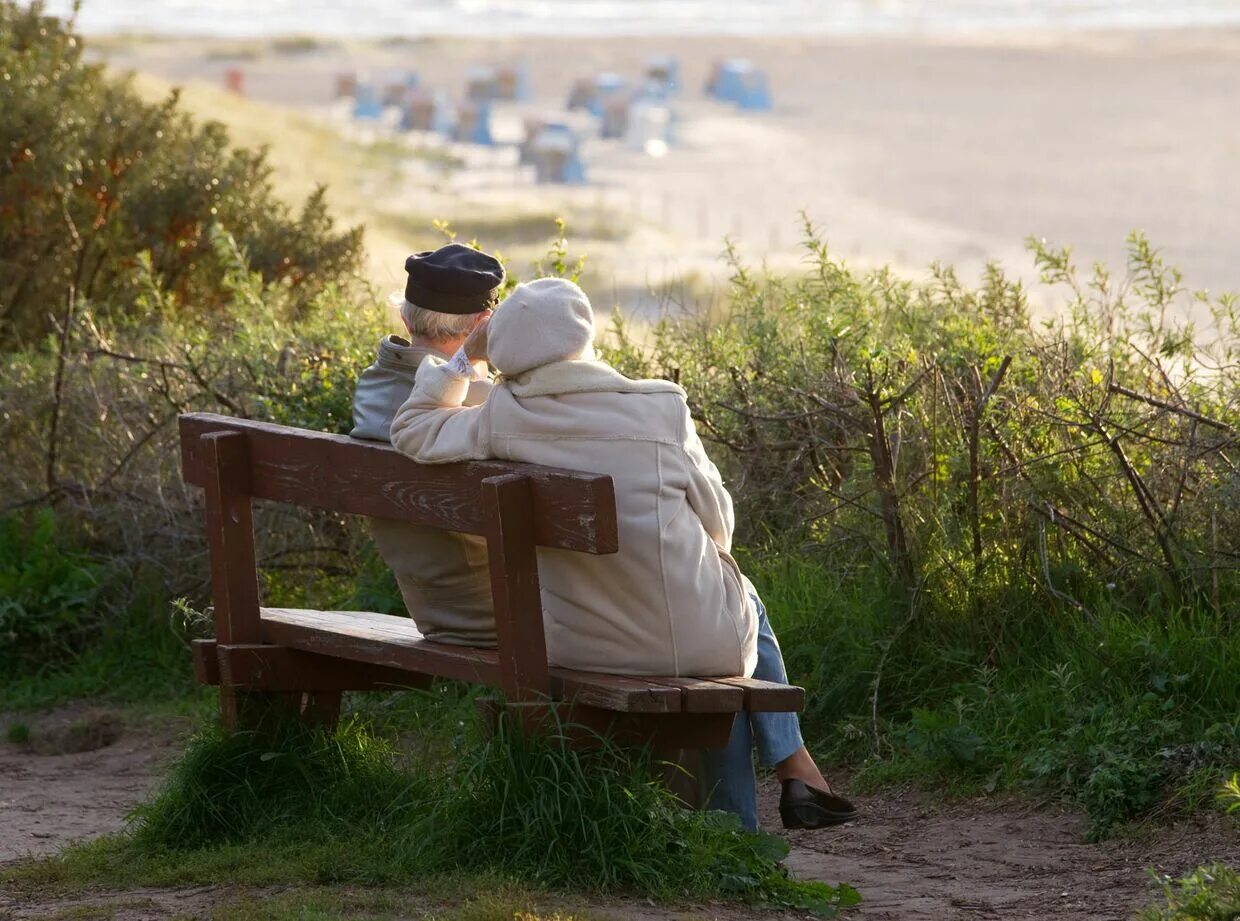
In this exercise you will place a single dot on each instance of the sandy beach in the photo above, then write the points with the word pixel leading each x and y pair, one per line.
pixel 903 150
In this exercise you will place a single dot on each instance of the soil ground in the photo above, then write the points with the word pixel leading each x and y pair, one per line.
pixel 912 857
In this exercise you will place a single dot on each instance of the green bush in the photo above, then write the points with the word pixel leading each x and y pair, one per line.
pixel 997 551
pixel 977 457
pixel 90 427
pixel 93 177
pixel 1207 894
pixel 48 592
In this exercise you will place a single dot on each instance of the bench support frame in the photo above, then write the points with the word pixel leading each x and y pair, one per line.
pixel 279 663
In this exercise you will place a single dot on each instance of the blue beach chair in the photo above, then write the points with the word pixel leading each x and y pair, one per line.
pixel 366 103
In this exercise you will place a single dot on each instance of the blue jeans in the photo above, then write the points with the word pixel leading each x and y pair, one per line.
pixel 728 773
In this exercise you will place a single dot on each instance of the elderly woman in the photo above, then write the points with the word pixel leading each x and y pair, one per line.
pixel 672 601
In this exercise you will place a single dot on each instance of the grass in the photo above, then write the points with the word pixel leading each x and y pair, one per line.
pixel 1207 894
pixel 317 903
pixel 139 661
pixel 1122 717
pixel 348 808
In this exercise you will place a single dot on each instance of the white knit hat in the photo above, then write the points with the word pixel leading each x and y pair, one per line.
pixel 541 322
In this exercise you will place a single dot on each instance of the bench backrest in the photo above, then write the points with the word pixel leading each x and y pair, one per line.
pixel 517 507
pixel 571 510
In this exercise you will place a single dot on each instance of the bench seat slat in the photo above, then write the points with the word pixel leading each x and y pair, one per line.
pixel 767 696
pixel 379 639
pixel 702 695
pixel 393 641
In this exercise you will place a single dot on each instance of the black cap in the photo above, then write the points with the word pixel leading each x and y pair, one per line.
pixel 453 279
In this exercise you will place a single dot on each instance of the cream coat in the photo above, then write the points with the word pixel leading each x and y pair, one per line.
pixel 671 601
pixel 443 576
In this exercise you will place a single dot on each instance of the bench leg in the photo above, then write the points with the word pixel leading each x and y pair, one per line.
pixel 682 774
pixel 257 710
pixel 321 708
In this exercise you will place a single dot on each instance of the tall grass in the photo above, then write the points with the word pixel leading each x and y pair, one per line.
pixel 1123 716
pixel 347 806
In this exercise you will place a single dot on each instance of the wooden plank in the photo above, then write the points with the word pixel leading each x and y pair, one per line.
pixel 230 532
pixel 572 510
pixel 515 596
pixel 393 641
pixel 234 575
pixel 377 639
pixel 767 696
pixel 582 726
pixel 206 663
pixel 619 693
pixel 278 668
pixel 704 696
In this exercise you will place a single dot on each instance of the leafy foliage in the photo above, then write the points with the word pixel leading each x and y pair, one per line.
pixel 939 433
pixel 1207 894
pixel 47 592
pixel 91 177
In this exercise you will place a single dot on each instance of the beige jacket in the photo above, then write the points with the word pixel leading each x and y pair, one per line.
pixel 671 602
pixel 443 576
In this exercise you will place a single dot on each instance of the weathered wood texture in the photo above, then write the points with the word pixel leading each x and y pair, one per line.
pixel 766 696
pixel 394 642
pixel 583 726
pixel 258 666
pixel 572 510
pixel 507 502
pixel 230 532
pixel 234 575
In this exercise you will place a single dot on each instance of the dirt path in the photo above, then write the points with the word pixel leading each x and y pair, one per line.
pixel 911 859
pixel 914 861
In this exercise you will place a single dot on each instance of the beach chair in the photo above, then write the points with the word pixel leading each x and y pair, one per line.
pixel 662 76
pixel 615 117
pixel 366 103
pixel 727 80
pixel 423 110
pixel 532 126
pixel 482 84
pixel 650 127
pixel 607 87
pixel 473 123
pixel 512 82
pixel 346 85
pixel 754 94
pixel 582 94
pixel 398 87
pixel 556 155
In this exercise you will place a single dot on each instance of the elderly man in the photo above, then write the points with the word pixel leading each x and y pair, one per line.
pixel 443 576
pixel 672 601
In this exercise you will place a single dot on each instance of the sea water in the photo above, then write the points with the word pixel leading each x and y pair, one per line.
pixel 410 18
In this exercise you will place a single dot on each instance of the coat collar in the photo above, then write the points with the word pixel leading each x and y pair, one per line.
pixel 397 353
pixel 581 377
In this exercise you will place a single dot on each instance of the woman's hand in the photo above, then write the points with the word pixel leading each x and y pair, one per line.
pixel 476 345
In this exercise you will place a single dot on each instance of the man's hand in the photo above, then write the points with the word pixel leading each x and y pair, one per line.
pixel 476 345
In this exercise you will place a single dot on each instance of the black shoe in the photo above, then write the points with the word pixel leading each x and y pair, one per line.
pixel 803 806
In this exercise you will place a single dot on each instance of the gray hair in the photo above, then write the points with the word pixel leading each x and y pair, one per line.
pixel 431 324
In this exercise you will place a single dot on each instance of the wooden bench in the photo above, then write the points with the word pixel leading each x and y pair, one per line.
pixel 300 660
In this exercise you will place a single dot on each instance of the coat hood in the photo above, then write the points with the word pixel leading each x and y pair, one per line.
pixel 544 321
